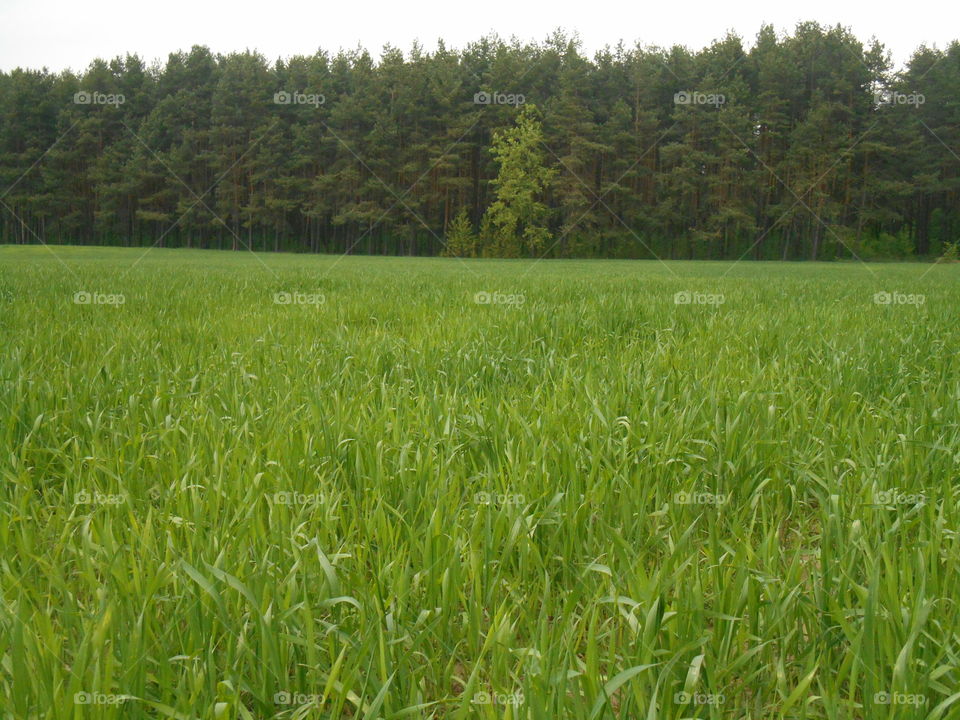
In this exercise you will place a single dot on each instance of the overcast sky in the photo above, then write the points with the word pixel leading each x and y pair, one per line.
pixel 62 34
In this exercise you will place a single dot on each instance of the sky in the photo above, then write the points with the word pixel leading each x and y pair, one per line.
pixel 62 34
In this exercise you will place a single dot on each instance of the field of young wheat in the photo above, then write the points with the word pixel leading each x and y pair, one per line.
pixel 237 486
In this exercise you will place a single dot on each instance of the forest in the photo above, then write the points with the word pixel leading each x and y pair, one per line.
pixel 806 145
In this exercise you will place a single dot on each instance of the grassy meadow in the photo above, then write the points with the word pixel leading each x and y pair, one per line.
pixel 280 486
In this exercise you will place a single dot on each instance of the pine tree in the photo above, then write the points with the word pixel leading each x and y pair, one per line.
pixel 801 161
pixel 461 240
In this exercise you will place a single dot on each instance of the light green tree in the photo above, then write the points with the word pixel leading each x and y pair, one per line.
pixel 515 221
pixel 461 240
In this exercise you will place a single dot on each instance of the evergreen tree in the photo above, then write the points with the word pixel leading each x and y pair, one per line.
pixel 461 240
pixel 806 158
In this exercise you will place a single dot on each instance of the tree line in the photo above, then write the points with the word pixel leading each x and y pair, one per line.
pixel 806 145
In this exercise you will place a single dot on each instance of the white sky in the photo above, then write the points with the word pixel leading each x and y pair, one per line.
pixel 63 34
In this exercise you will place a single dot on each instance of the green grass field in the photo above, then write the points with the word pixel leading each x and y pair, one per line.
pixel 309 487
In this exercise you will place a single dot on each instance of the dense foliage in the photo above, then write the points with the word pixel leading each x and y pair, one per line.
pixel 810 145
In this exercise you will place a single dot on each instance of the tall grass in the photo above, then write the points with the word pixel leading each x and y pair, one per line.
pixel 386 499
